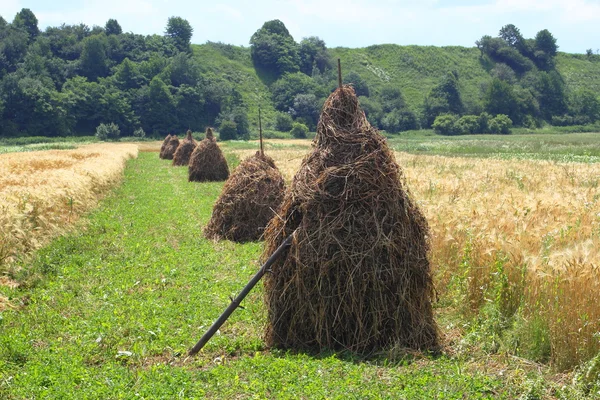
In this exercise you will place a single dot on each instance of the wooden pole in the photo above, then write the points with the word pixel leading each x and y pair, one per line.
pixel 262 150
pixel 236 302
pixel 339 73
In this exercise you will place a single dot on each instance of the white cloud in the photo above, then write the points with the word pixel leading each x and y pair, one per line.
pixel 8 9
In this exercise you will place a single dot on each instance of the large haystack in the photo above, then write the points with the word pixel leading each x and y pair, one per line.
pixel 164 145
pixel 170 148
pixel 250 198
pixel 184 151
pixel 207 162
pixel 357 275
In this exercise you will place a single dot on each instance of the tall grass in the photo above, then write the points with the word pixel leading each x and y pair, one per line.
pixel 42 192
pixel 515 245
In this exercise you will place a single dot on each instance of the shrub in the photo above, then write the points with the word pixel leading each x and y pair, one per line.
pixel 283 122
pixel 500 124
pixel 484 122
pixel 468 124
pixel 139 133
pixel 445 124
pixel 108 131
pixel 299 131
pixel 228 130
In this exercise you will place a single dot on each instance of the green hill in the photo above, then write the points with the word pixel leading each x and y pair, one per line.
pixel 412 69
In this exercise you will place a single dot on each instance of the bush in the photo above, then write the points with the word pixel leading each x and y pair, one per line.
pixel 445 124
pixel 468 124
pixel 500 124
pixel 484 122
pixel 139 133
pixel 228 130
pixel 299 131
pixel 283 122
pixel 108 131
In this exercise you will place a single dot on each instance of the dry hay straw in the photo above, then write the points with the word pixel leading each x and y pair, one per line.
pixel 164 146
pixel 207 162
pixel 42 192
pixel 184 151
pixel 357 275
pixel 170 148
pixel 249 200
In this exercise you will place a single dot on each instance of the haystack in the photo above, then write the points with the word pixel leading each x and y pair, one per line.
pixel 250 198
pixel 356 276
pixel 207 162
pixel 170 148
pixel 184 151
pixel 164 145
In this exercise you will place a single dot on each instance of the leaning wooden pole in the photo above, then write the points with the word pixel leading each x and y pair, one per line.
pixel 262 150
pixel 236 302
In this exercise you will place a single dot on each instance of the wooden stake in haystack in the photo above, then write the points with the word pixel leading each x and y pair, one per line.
pixel 207 162
pixel 184 152
pixel 249 199
pixel 356 275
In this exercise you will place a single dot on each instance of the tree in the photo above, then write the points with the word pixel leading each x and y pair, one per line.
pixel 299 131
pixel 444 124
pixel 511 35
pixel 274 50
pixel 550 88
pixel 313 54
pixel 127 75
pixel 361 87
pixel 500 98
pixel 189 101
pixel 112 27
pixel 443 98
pixel 182 71
pixel 180 31
pixel 584 106
pixel 285 90
pixel 228 130
pixel 156 108
pixel 545 50
pixel 93 61
pixel 307 107
pixel 26 19
pixel 283 122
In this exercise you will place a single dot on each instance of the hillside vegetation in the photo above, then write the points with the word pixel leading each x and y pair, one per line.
pixel 76 80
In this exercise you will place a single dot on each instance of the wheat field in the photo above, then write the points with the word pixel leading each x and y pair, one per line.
pixel 43 192
pixel 523 235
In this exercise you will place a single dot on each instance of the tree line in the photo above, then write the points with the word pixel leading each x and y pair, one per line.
pixel 71 79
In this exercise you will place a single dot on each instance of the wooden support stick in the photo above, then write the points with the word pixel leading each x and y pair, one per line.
pixel 339 73
pixel 236 302
pixel 262 150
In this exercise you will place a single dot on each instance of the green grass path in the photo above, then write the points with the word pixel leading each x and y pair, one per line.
pixel 110 310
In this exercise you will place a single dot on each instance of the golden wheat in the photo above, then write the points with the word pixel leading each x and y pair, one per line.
pixel 541 219
pixel 42 192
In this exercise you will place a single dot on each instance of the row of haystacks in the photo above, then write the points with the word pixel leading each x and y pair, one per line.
pixel 357 275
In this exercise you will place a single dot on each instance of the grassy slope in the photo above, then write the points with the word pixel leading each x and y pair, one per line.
pixel 140 278
pixel 414 69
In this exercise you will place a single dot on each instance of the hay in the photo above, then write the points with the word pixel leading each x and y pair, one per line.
pixel 170 148
pixel 184 151
pixel 357 275
pixel 163 146
pixel 249 200
pixel 207 162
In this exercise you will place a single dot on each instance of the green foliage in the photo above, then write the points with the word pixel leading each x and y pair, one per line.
pixel 26 20
pixel 139 133
pixel 285 90
pixel 228 130
pixel 469 124
pixel 283 122
pixel 274 50
pixel 361 87
pixel 445 124
pixel 500 124
pixel 94 62
pixel 180 31
pixel 444 98
pixel 313 54
pixel 112 27
pixel 108 131
pixel 307 107
pixel 299 131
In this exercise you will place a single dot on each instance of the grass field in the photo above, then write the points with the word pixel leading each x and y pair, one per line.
pixel 110 309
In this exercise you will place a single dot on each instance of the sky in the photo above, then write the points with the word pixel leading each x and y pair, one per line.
pixel 348 23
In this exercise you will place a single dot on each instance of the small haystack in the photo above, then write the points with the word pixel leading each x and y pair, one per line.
pixel 207 162
pixel 250 198
pixel 184 151
pixel 170 148
pixel 164 145
pixel 357 275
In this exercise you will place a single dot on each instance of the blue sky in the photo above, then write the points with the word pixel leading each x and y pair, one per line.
pixel 349 23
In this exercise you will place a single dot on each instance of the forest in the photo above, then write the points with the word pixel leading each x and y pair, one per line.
pixel 76 80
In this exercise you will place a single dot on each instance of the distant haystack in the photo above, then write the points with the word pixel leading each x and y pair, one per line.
pixel 250 198
pixel 207 162
pixel 184 151
pixel 163 146
pixel 356 276
pixel 171 147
